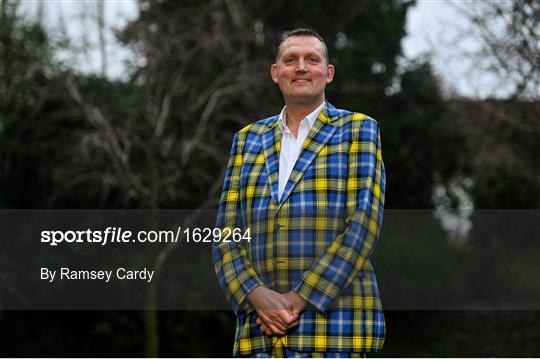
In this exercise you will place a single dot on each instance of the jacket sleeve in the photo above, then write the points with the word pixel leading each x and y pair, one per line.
pixel 233 269
pixel 347 253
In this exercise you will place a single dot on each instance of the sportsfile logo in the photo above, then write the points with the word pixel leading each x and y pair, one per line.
pixel 119 235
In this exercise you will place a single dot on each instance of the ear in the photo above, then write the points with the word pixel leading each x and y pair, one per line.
pixel 273 73
pixel 330 73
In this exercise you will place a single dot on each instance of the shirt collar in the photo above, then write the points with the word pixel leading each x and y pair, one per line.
pixel 311 117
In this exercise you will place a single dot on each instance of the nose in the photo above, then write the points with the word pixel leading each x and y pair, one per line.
pixel 301 66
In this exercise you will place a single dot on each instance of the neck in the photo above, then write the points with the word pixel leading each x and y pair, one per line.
pixel 296 112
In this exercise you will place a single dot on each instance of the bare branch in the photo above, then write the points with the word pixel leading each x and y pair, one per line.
pixel 119 157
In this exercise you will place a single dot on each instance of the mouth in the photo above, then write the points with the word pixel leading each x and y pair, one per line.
pixel 301 81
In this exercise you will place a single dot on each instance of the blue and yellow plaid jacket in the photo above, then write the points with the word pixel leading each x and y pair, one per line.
pixel 317 239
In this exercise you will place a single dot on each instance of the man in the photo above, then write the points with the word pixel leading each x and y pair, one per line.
pixel 309 185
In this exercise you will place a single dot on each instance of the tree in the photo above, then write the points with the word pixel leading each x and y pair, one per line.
pixel 508 33
pixel 424 146
pixel 504 130
pixel 203 69
pixel 28 87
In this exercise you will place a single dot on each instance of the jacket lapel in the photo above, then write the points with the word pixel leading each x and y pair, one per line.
pixel 271 143
pixel 318 136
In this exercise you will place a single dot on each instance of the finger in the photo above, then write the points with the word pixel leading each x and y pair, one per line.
pixel 275 330
pixel 282 316
pixel 285 317
pixel 258 321
pixel 264 316
pixel 288 305
pixel 286 302
pixel 266 330
pixel 293 318
pixel 294 324
pixel 276 320
pixel 273 327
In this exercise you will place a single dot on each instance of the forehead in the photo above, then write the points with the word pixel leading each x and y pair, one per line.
pixel 302 44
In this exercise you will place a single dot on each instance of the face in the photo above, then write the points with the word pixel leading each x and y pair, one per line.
pixel 301 70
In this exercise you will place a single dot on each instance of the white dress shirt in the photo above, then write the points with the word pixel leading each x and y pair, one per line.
pixel 291 146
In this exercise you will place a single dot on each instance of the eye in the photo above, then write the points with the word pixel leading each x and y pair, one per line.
pixel 314 59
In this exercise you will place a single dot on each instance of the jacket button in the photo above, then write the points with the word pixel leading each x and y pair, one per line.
pixel 277 226
pixel 280 262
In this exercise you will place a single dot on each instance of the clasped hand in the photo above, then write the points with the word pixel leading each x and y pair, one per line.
pixel 276 312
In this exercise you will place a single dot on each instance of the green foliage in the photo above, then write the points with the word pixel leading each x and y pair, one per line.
pixel 496 186
pixel 27 81
pixel 25 54
pixel 423 142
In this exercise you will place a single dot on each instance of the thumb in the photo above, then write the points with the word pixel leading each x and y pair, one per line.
pixel 286 302
pixel 289 306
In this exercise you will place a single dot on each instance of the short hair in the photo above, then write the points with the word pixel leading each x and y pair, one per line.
pixel 302 32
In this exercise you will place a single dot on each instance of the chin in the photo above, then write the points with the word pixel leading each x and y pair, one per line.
pixel 305 99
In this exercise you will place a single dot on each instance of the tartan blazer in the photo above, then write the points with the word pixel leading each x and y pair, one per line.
pixel 317 239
